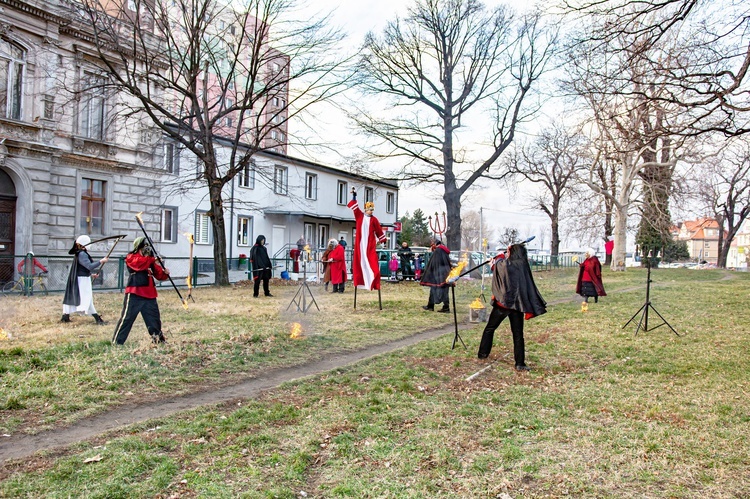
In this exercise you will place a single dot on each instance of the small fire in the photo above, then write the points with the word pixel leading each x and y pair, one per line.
pixel 456 271
pixel 3 335
pixel 138 216
pixel 476 304
pixel 584 306
pixel 296 331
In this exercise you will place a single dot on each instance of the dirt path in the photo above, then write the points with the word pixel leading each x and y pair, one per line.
pixel 22 446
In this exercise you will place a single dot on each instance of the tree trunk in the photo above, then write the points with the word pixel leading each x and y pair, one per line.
pixel 221 277
pixel 621 227
pixel 452 200
pixel 555 244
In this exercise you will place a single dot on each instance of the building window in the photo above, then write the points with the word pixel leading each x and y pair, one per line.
pixel 202 228
pixel 12 68
pixel 390 202
pixel 92 206
pixel 172 157
pixel 322 235
pixel 281 180
pixel 369 195
pixel 92 107
pixel 342 192
pixel 243 231
pixel 169 225
pixel 247 177
pixel 309 234
pixel 311 186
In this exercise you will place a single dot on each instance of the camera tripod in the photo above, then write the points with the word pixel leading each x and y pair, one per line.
pixel 300 297
pixel 643 322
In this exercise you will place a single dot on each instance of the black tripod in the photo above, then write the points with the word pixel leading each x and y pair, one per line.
pixel 643 323
pixel 455 320
pixel 300 298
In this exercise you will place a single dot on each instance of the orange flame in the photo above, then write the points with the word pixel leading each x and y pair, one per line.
pixel 138 216
pixel 476 304
pixel 456 271
pixel 296 330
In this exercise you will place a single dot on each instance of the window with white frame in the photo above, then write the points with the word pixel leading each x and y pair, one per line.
pixel 369 195
pixel 202 228
pixel 244 225
pixel 12 69
pixel 311 186
pixel 92 112
pixel 322 235
pixel 169 224
pixel 246 177
pixel 341 192
pixel 281 180
pixel 309 234
pixel 171 157
pixel 390 202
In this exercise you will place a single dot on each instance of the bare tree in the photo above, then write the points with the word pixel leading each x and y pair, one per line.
pixel 440 67
pixel 508 236
pixel 710 84
pixel 723 186
pixel 554 160
pixel 472 234
pixel 220 81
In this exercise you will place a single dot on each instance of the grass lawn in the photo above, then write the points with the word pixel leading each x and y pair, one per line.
pixel 604 413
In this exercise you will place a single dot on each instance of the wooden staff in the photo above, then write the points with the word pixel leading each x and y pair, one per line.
pixel 158 258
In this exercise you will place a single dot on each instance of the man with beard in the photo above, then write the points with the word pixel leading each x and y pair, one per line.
pixel 261 266
pixel 435 275
pixel 515 296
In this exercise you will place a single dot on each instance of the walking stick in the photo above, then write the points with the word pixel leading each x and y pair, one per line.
pixel 189 278
pixel 118 239
pixel 158 258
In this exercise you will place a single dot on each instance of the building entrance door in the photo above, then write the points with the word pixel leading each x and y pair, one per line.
pixel 7 237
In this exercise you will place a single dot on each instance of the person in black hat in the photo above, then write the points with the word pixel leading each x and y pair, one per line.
pixel 515 296
pixel 140 293
pixel 261 266
pixel 79 295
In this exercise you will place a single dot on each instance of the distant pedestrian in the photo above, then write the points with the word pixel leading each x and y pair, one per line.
pixel 79 293
pixel 589 282
pixel 609 247
pixel 337 261
pixel 342 242
pixel 262 266
pixel 326 261
pixel 406 255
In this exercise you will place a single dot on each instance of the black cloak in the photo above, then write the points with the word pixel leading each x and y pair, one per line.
pixel 260 260
pixel 513 284
pixel 437 268
pixel 72 296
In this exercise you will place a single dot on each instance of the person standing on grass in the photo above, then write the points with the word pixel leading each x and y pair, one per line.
pixel 79 294
pixel 515 296
pixel 393 266
pixel 337 266
pixel 261 266
pixel 589 282
pixel 435 274
pixel 140 293
pixel 325 260
pixel 406 255
pixel 365 264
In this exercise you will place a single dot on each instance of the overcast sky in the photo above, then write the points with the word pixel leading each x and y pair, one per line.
pixel 356 18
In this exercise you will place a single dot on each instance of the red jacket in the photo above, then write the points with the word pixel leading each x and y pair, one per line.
pixel 137 262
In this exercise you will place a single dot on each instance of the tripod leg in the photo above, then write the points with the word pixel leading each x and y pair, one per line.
pixel 355 297
pixel 455 321
pixel 664 321
pixel 638 312
pixel 380 300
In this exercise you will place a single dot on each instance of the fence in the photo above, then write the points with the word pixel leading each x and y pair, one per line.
pixel 114 276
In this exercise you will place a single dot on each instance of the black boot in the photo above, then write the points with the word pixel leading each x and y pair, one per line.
pixel 445 309
pixel 99 320
pixel 65 318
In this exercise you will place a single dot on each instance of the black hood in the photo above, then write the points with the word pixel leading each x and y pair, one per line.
pixel 260 240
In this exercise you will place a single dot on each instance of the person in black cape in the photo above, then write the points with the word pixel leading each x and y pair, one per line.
pixel 435 275
pixel 261 266
pixel 514 295
pixel 79 295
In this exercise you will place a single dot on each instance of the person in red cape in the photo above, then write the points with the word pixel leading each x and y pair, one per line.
pixel 515 296
pixel 337 266
pixel 140 293
pixel 365 265
pixel 609 248
pixel 590 278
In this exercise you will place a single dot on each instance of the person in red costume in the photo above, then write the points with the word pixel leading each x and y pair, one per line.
pixel 140 293
pixel 365 265
pixel 337 266
pixel 590 278
pixel 609 248
pixel 35 264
